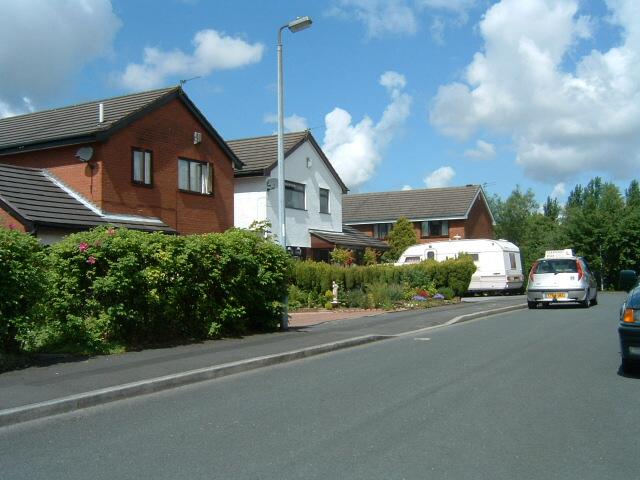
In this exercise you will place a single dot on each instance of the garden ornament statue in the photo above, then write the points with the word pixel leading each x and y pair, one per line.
pixel 334 288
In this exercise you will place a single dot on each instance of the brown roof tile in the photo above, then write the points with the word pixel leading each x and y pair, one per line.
pixel 422 204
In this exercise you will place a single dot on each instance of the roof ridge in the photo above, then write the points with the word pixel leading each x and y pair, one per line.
pixel 89 102
pixel 268 136
pixel 413 190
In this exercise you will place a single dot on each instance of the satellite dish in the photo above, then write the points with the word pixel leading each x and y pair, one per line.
pixel 272 183
pixel 84 154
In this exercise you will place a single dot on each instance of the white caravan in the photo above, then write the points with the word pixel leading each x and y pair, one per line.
pixel 498 264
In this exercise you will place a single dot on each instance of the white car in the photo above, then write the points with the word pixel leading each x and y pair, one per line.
pixel 561 277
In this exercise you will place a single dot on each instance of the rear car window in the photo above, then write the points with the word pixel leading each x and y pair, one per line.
pixel 566 265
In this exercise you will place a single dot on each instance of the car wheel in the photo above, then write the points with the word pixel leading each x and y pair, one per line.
pixel 531 305
pixel 595 300
pixel 587 300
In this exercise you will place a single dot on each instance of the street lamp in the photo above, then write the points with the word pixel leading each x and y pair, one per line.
pixel 294 26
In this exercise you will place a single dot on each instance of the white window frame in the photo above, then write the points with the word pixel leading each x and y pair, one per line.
pixel 195 176
pixel 141 166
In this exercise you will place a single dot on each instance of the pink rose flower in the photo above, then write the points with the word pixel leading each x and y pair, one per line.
pixel 83 246
pixel 91 260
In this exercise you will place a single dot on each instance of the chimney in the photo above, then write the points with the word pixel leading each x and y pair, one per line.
pixel 101 113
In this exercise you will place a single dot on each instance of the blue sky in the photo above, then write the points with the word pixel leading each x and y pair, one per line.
pixel 400 93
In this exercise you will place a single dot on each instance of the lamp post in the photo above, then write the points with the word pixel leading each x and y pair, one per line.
pixel 294 26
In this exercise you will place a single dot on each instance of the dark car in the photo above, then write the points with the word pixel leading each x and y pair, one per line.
pixel 629 330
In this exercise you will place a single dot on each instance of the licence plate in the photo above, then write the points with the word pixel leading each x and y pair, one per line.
pixel 555 295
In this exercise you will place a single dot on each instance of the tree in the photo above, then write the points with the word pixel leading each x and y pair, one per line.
pixel 632 194
pixel 511 215
pixel 551 208
pixel 401 237
pixel 593 227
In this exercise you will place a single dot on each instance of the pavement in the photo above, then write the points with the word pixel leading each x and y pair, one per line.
pixel 69 383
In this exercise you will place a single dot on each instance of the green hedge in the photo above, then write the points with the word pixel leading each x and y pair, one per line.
pixel 116 288
pixel 22 280
pixel 317 278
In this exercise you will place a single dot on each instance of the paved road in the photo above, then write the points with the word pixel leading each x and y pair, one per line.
pixel 526 395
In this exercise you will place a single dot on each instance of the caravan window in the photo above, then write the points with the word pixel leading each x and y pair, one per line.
pixel 512 259
pixel 431 255
pixel 412 260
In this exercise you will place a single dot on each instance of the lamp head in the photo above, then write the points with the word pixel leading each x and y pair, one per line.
pixel 299 23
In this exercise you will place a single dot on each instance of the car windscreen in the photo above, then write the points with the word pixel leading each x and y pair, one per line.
pixel 566 265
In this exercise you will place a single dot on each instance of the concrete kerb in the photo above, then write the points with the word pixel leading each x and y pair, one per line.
pixel 466 318
pixel 97 397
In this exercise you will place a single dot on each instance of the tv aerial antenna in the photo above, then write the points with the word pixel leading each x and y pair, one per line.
pixel 185 80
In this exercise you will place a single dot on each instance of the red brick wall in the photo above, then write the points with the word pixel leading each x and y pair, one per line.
pixel 168 133
pixel 479 224
pixel 8 221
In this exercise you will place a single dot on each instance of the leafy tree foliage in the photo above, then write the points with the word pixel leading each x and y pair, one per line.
pixel 512 214
pixel 401 237
pixel 598 222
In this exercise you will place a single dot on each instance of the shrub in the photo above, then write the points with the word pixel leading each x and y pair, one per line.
pixel 370 256
pixel 447 293
pixel 22 285
pixel 401 236
pixel 385 295
pixel 116 286
pixel 341 256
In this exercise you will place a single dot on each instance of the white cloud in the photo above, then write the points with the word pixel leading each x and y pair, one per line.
pixel 460 7
pixel 562 121
pixel 440 178
pixel 381 17
pixel 43 44
pixel 559 190
pixel 407 187
pixel 402 17
pixel 483 151
pixel 212 51
pixel 292 123
pixel 355 150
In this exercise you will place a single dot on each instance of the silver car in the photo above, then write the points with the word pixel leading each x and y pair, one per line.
pixel 561 277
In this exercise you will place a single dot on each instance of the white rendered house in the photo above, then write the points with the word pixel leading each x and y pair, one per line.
pixel 313 194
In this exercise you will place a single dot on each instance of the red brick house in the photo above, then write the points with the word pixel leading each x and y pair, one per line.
pixel 149 160
pixel 437 214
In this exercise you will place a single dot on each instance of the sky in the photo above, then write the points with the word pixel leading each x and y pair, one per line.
pixel 400 94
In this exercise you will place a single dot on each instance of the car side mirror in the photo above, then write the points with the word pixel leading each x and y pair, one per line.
pixel 627 279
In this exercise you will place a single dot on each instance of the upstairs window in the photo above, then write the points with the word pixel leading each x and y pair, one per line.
pixel 435 228
pixel 194 176
pixel 294 195
pixel 324 200
pixel 141 166
pixel 381 230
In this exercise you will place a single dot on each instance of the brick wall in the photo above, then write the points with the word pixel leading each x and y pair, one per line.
pixel 8 221
pixel 479 224
pixel 168 133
